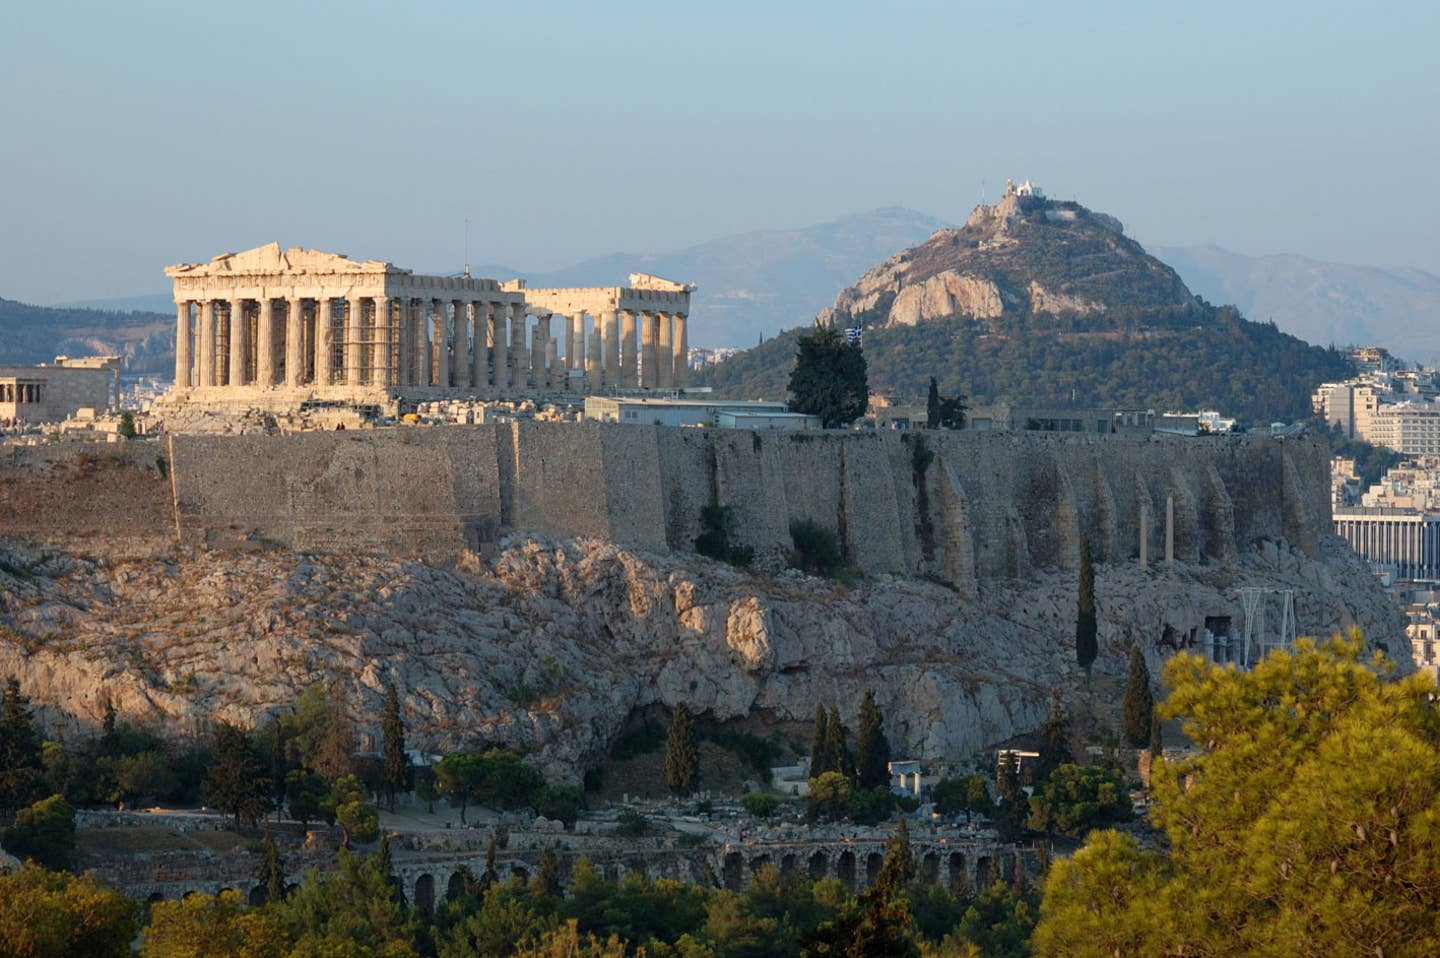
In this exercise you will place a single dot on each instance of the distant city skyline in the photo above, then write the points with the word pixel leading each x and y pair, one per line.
pixel 156 133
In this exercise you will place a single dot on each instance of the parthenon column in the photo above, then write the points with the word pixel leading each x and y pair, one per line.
pixel 610 320
pixel 682 352
pixel 575 358
pixel 629 369
pixel 419 342
pixel 540 352
pixel 404 343
pixel 439 345
pixel 353 346
pixel 569 323
pixel 649 326
pixel 480 352
pixel 499 342
pixel 294 343
pixel 324 340
pixel 519 319
pixel 664 354
pixel 592 362
pixel 206 320
pixel 381 373
pixel 182 345
pixel 265 344
pixel 460 344
pixel 238 341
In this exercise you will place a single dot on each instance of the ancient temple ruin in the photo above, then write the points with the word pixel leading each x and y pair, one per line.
pixel 271 325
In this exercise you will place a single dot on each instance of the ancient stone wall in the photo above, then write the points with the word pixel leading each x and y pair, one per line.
pixel 960 507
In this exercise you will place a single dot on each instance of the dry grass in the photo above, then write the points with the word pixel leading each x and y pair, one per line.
pixel 108 842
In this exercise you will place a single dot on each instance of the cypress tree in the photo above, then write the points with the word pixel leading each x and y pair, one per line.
pixel 1014 809
pixel 272 870
pixel 818 741
pixel 682 759
pixel 1157 743
pixel 872 751
pixel 20 762
pixel 1086 647
pixel 836 757
pixel 932 406
pixel 490 875
pixel 546 883
pixel 397 764
pixel 1139 703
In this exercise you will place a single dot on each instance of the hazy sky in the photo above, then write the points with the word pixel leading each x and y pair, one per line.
pixel 140 134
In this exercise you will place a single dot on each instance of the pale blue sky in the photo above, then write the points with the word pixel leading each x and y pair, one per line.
pixel 141 134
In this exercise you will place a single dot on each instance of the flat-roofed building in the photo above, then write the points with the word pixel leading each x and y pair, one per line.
pixel 53 392
pixel 651 411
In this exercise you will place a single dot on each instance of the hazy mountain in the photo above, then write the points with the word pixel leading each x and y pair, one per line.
pixel 37 334
pixel 1320 302
pixel 1043 301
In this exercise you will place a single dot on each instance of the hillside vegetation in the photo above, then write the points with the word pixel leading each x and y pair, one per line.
pixel 37 334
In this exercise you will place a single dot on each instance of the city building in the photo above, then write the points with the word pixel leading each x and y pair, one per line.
pixel 1129 422
pixel 733 413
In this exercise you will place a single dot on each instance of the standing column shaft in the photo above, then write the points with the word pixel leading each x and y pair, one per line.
pixel 664 354
pixel 238 341
pixel 440 358
pixel 500 340
pixel 294 343
pixel 420 355
pixel 206 321
pixel 593 364
pixel 575 358
pixel 182 345
pixel 569 324
pixel 519 361
pixel 404 344
pixel 647 350
pixel 540 352
pixel 324 340
pixel 459 345
pixel 479 355
pixel 682 352
pixel 383 333
pixel 353 329
pixel 629 368
pixel 611 323
pixel 265 344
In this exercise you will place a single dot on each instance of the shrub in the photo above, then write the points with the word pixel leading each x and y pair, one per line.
pixel 760 804
pixel 817 549
pixel 632 823
pixel 717 525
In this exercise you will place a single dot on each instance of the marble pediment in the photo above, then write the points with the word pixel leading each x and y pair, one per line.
pixel 656 283
pixel 270 258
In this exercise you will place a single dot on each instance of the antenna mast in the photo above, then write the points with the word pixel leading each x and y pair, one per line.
pixel 467 247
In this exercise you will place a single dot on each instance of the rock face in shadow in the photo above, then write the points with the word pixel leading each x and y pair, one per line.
pixel 548 645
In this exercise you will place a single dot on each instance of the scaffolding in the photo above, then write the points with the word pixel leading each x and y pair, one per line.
pixel 1257 643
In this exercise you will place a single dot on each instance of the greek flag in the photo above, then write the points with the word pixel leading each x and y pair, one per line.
pixel 852 334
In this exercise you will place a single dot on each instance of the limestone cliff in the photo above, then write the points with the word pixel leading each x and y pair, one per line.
pixel 1026 255
pixel 548 645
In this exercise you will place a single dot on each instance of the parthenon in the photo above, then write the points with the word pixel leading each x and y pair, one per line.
pixel 298 323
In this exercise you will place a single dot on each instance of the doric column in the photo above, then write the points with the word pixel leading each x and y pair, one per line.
pixel 664 354
pixel 182 345
pixel 500 341
pixel 682 352
pixel 569 324
pixel 239 338
pixel 519 360
pixel 404 343
pixel 354 327
pixel 419 342
pixel 648 328
pixel 592 365
pixel 294 343
pixel 611 324
pixel 575 359
pixel 459 345
pixel 383 333
pixel 628 367
pixel 324 341
pixel 478 346
pixel 206 319
pixel 265 344
pixel 540 352
pixel 556 377
pixel 439 345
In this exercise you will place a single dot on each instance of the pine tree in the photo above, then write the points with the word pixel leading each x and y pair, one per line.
pixel 386 864
pixel 898 870
pixel 932 406
pixel 1054 741
pixel 1085 640
pixel 236 782
pixel 682 758
pixel 21 765
pixel 1139 703
pixel 829 378
pixel 1014 809
pixel 272 870
pixel 1157 743
pixel 872 751
pixel 837 757
pixel 397 763
pixel 818 740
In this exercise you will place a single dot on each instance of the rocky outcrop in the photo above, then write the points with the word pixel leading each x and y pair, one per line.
pixel 549 645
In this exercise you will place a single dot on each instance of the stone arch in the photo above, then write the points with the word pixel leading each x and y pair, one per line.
pixel 873 863
pixel 956 871
pixel 732 872
pixel 520 872
pixel 425 895
pixel 982 873
pixel 930 868
pixel 818 866
pixel 191 894
pixel 154 897
pixel 455 887
pixel 788 864
pixel 757 863
pixel 845 868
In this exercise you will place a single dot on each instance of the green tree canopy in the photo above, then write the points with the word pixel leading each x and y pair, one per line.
pixel 968 794
pixel 872 750
pixel 236 782
pixel 682 759
pixel 21 766
pixel 397 763
pixel 46 913
pixel 828 380
pixel 1139 704
pixel 44 832
pixel 1306 825
pixel 1077 798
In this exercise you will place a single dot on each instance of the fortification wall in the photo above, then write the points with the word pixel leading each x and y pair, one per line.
pixel 961 507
